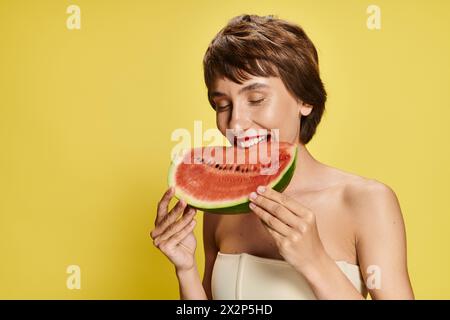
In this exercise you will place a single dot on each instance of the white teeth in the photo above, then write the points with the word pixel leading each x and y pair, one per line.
pixel 251 142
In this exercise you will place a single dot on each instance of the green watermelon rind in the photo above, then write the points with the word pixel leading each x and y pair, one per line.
pixel 236 206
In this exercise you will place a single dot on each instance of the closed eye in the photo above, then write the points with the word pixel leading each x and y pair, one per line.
pixel 222 108
pixel 257 101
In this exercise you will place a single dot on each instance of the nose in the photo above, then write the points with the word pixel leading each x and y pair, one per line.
pixel 240 119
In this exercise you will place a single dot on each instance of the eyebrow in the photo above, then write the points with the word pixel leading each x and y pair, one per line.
pixel 253 86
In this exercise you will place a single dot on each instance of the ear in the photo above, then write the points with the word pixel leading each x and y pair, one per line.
pixel 304 108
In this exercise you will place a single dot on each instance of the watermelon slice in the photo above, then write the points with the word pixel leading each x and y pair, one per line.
pixel 220 179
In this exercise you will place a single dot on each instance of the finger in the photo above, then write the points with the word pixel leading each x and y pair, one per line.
pixel 271 221
pixel 284 200
pixel 169 219
pixel 188 208
pixel 277 237
pixel 175 227
pixel 275 208
pixel 178 237
pixel 163 204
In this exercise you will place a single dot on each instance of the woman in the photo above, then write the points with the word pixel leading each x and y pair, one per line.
pixel 331 234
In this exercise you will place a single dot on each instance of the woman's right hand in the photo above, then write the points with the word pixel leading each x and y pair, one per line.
pixel 175 238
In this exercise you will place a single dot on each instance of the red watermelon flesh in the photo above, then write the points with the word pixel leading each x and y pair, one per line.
pixel 220 179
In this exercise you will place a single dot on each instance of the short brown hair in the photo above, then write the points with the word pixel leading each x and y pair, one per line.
pixel 267 46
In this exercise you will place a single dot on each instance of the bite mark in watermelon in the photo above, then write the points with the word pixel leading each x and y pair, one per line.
pixel 220 187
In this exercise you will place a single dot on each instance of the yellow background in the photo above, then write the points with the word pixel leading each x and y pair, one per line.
pixel 86 117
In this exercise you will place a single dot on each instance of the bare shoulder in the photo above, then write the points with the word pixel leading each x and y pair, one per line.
pixel 365 193
pixel 364 197
pixel 367 198
pixel 210 222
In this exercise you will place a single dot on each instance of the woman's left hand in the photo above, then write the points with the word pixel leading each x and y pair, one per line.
pixel 292 226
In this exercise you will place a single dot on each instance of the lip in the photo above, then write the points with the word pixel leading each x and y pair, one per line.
pixel 246 138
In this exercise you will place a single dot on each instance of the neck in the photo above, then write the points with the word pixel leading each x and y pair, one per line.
pixel 307 170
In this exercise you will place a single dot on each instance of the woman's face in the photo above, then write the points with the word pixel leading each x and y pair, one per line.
pixel 259 103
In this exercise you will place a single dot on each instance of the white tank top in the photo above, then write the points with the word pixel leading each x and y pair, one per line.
pixel 245 276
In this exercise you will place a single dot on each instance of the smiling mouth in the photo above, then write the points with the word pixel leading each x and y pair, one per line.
pixel 247 142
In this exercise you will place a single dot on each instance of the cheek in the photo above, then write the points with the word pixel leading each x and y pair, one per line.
pixel 279 115
pixel 222 121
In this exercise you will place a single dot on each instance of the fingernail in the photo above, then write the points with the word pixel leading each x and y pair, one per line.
pixel 253 196
pixel 261 189
pixel 252 205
